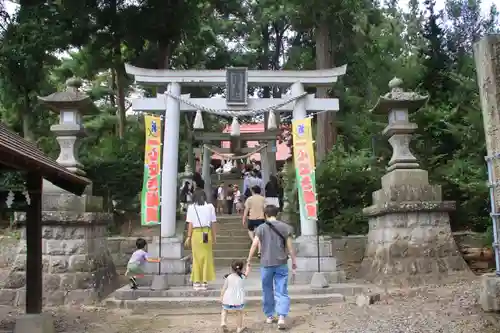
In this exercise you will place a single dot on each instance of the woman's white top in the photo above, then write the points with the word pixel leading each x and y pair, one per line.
pixel 235 290
pixel 205 217
pixel 237 196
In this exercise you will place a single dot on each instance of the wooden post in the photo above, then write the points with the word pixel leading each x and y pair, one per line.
pixel 34 244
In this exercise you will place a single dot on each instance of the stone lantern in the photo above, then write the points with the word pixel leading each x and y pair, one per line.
pixel 74 245
pixel 187 175
pixel 409 238
pixel 70 105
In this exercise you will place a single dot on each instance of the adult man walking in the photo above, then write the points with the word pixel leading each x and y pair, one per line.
pixel 275 239
pixel 253 215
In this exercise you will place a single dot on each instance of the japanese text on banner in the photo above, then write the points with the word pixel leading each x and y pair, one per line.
pixel 150 197
pixel 303 155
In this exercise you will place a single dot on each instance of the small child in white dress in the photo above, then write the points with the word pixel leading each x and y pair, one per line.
pixel 233 296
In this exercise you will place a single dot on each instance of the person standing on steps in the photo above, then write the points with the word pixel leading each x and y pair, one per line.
pixel 229 199
pixel 251 181
pixel 272 192
pixel 201 235
pixel 238 205
pixel 254 212
pixel 221 198
pixel 275 239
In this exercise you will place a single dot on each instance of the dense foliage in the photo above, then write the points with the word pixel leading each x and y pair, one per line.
pixel 45 42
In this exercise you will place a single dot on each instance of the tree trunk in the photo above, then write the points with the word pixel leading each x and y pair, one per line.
pixel 112 86
pixel 27 119
pixel 120 88
pixel 119 77
pixel 326 131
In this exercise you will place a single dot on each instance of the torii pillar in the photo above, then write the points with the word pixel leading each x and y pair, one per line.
pixel 487 57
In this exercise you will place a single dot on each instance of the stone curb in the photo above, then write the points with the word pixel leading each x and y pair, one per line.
pixel 128 294
pixel 203 302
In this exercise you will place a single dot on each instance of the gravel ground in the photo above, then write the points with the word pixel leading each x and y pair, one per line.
pixel 452 309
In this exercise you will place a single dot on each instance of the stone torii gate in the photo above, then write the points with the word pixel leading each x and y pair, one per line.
pixel 236 103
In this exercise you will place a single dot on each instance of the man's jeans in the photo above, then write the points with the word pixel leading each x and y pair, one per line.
pixel 275 299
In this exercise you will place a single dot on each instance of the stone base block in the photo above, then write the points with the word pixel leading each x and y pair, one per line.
pixel 160 282
pixel 77 265
pixel 173 280
pixel 34 323
pixel 307 246
pixel 54 201
pixel 172 252
pixel 305 278
pixel 409 248
pixel 310 264
pixel 407 177
pixel 167 266
pixel 489 294
pixel 170 247
pixel 319 280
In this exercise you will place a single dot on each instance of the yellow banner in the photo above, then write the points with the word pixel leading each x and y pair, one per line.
pixel 150 198
pixel 303 156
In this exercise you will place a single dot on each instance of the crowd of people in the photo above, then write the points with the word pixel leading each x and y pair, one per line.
pixel 271 240
pixel 230 198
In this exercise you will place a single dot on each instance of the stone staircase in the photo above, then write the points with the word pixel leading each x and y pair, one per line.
pixel 232 243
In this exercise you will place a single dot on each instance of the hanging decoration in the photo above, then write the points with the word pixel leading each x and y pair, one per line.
pixel 198 121
pixel 10 199
pixel 236 113
pixel 271 121
pixel 231 157
pixel 235 127
pixel 27 197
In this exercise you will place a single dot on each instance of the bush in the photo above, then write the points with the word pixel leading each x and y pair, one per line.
pixel 345 181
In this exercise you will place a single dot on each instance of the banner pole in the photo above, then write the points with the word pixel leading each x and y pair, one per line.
pixel 162 131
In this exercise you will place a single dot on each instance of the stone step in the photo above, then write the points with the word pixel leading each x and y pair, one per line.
pixel 253 289
pixel 231 227
pixel 231 232
pixel 243 245
pixel 227 253
pixel 202 303
pixel 230 221
pixel 182 297
pixel 224 239
pixel 226 261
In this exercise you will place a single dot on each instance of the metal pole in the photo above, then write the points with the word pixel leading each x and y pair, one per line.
pixel 162 122
pixel 492 184
pixel 317 246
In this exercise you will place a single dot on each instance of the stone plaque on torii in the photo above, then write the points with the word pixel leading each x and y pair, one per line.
pixel 236 104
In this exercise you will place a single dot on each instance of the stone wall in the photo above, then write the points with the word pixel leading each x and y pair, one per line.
pixel 77 266
pixel 350 249
pixel 66 263
pixel 121 248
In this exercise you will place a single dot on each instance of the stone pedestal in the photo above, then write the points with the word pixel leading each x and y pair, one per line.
pixel 172 264
pixel 306 248
pixel 489 294
pixel 35 323
pixel 409 238
pixel 77 266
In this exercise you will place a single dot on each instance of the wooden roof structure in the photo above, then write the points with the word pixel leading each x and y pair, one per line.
pixel 19 154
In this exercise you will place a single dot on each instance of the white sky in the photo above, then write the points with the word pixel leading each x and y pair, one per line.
pixel 485 4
